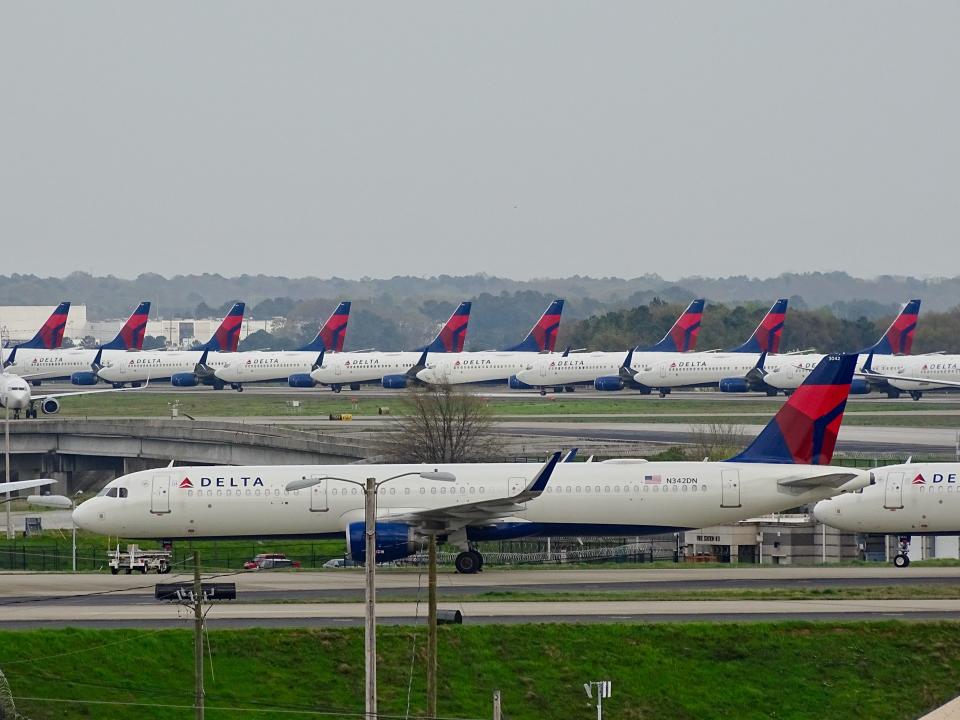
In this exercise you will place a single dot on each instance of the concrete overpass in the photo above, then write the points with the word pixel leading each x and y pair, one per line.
pixel 85 451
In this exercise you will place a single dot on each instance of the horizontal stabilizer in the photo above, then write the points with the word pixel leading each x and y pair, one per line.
pixel 24 485
pixel 831 480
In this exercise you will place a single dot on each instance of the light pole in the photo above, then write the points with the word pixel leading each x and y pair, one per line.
pixel 603 688
pixel 370 487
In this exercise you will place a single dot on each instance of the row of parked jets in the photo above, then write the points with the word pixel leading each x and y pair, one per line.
pixel 533 363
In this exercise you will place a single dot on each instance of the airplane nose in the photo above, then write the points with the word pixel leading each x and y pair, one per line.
pixel 821 511
pixel 82 515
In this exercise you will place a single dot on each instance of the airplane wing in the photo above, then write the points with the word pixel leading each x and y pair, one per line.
pixel 9 487
pixel 88 392
pixel 926 381
pixel 489 509
pixel 830 480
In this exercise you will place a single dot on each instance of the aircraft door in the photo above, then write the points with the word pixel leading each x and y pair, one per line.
pixel 160 494
pixel 893 494
pixel 730 488
pixel 543 369
pixel 663 370
pixel 318 497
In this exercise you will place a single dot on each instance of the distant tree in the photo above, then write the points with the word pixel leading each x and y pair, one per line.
pixel 88 342
pixel 441 424
pixel 154 343
pixel 67 342
pixel 203 311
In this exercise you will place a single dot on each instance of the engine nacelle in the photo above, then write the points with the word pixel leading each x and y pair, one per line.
pixel 859 386
pixel 610 383
pixel 84 378
pixel 394 382
pixel 514 384
pixel 50 406
pixel 301 380
pixel 734 385
pixel 184 380
pixel 394 541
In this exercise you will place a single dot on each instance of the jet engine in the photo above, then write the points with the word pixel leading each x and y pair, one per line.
pixel 50 406
pixel 84 378
pixel 395 382
pixel 301 380
pixel 394 541
pixel 610 383
pixel 184 379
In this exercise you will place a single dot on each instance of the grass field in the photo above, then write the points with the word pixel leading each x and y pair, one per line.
pixel 881 671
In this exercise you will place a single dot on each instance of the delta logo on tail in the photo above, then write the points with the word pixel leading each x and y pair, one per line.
pixel 682 337
pixel 919 479
pixel 805 429
pixel 898 339
pixel 766 338
pixel 186 483
pixel 227 336
pixel 50 336
pixel 454 333
pixel 332 333
pixel 132 333
pixel 542 336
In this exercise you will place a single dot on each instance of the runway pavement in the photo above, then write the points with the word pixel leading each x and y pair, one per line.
pixel 296 598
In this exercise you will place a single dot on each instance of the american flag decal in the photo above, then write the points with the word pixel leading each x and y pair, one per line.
pixel 651 480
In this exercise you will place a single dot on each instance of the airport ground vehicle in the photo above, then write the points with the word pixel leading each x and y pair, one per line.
pixel 144 561
pixel 270 561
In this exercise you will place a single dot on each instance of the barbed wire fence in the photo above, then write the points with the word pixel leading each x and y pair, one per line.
pixel 8 711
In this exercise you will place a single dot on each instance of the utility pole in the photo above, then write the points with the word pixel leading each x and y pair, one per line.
pixel 6 434
pixel 432 627
pixel 370 629
pixel 496 706
pixel 197 637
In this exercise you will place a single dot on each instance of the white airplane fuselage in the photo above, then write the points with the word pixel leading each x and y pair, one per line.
pixel 928 371
pixel 14 391
pixel 259 366
pixel 474 367
pixel 155 364
pixel 359 367
pixel 907 499
pixel 580 498
pixel 787 372
pixel 553 370
pixel 42 364
pixel 671 369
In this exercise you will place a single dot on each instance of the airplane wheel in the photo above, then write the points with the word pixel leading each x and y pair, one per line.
pixel 901 561
pixel 114 571
pixel 893 394
pixel 916 394
pixel 469 562
pixel 335 388
pixel 543 392
pixel 771 393
pixel 354 386
pixel 117 386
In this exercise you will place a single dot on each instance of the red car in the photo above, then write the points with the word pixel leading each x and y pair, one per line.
pixel 270 561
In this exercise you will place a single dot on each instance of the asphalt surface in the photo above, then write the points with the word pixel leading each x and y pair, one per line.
pixel 291 599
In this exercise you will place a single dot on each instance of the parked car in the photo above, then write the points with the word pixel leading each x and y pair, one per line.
pixel 340 562
pixel 270 561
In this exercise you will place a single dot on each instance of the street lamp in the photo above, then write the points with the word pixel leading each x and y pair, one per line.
pixel 370 488
pixel 63 503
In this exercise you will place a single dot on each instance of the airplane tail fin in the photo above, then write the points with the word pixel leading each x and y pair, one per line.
pixel 898 339
pixel 804 431
pixel 766 338
pixel 50 336
pixel 453 334
pixel 227 336
pixel 542 336
pixel 333 332
pixel 682 337
pixel 131 334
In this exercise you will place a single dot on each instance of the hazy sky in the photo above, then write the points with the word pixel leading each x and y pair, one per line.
pixel 515 138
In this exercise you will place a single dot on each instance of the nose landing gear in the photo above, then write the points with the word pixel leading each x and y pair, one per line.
pixel 901 559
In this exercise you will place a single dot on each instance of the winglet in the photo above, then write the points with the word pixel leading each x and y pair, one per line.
pixel 97 363
pixel 570 456
pixel 318 362
pixel 540 480
pixel 420 365
pixel 11 358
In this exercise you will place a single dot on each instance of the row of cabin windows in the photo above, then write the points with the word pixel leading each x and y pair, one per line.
pixel 626 488
pixel 558 489
pixel 948 488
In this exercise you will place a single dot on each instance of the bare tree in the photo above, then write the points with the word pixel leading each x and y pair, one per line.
pixel 716 440
pixel 439 423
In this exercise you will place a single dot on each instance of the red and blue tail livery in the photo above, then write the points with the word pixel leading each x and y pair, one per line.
pixel 50 336
pixel 898 339
pixel 131 334
pixel 333 332
pixel 682 337
pixel 805 429
pixel 766 338
pixel 453 334
pixel 227 336
pixel 543 336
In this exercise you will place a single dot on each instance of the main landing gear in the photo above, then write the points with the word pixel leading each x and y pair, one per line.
pixel 469 562
pixel 237 386
pixel 916 394
pixel 901 559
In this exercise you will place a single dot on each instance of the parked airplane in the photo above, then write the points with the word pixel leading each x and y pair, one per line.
pixel 782 468
pixel 913 374
pixel 185 368
pixel 16 395
pixel 565 371
pixel 40 363
pixel 259 365
pixel 909 499
pixel 773 373
pixel 387 368
pixel 660 370
pixel 490 366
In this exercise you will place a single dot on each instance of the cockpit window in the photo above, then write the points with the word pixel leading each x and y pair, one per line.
pixel 112 492
pixel 122 492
